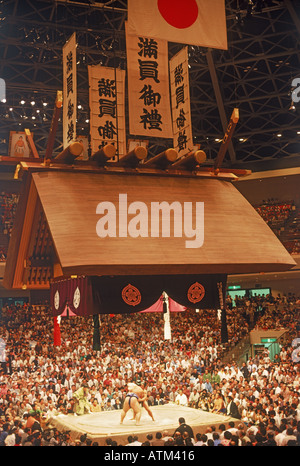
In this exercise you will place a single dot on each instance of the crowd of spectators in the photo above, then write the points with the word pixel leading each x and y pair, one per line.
pixel 291 236
pixel 38 379
pixel 8 206
pixel 3 254
pixel 275 212
pixel 283 218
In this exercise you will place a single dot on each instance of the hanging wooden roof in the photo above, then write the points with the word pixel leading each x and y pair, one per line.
pixel 55 229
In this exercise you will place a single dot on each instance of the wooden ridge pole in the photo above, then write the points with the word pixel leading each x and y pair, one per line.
pixel 226 139
pixel 54 124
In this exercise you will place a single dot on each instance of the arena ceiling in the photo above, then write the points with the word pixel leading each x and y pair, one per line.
pixel 255 74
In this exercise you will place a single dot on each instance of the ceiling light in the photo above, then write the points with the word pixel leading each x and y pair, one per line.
pixel 249 9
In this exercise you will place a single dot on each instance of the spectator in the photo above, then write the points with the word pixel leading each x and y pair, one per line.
pixel 216 439
pixel 183 427
pixel 158 441
pixel 11 437
pixel 232 409
pixel 181 398
pixel 225 442
pixel 289 435
pixel 133 441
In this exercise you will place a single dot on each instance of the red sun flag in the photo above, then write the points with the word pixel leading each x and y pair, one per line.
pixel 194 22
pixel 177 16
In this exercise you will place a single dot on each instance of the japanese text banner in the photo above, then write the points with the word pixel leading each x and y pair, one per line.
pixel 69 91
pixel 180 100
pixel 148 87
pixel 107 108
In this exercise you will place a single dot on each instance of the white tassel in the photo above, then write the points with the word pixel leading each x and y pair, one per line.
pixel 167 326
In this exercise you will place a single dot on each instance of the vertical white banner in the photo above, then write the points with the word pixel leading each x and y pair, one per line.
pixel 69 91
pixel 107 108
pixel 180 99
pixel 148 87
pixel 167 323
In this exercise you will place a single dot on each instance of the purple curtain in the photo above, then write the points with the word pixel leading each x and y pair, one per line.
pixel 75 293
pixel 128 294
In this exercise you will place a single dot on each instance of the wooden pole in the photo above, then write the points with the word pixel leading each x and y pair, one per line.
pixel 54 125
pixel 103 155
pixel 69 154
pixel 165 158
pixel 31 143
pixel 191 160
pixel 226 139
pixel 134 157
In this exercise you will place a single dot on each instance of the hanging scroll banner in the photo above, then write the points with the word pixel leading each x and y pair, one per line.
pixel 148 87
pixel 180 100
pixel 107 108
pixel 69 91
